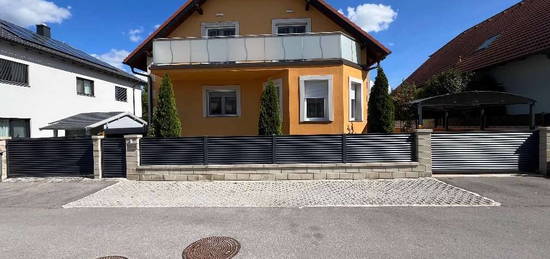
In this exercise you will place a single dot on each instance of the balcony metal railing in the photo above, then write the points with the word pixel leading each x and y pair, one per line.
pixel 255 48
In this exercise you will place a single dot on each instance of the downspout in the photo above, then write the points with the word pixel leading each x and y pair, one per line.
pixel 149 92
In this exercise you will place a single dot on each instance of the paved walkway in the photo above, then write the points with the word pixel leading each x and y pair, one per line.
pixel 284 194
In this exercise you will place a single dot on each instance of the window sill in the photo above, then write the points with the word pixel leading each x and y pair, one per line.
pixel 320 121
pixel 222 116
pixel 122 101
pixel 85 95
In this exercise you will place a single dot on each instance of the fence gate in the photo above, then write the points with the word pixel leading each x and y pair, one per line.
pixel 50 157
pixel 113 157
pixel 492 152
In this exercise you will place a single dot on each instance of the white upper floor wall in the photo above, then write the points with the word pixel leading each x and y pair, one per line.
pixel 51 94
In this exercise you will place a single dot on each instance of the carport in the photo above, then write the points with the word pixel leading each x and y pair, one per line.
pixel 482 151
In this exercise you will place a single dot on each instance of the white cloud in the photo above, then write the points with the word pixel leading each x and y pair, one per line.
pixel 157 26
pixel 30 12
pixel 135 35
pixel 371 17
pixel 114 57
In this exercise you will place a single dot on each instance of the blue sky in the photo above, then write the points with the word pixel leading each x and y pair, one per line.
pixel 412 29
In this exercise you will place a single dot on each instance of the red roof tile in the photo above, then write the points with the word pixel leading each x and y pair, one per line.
pixel 522 30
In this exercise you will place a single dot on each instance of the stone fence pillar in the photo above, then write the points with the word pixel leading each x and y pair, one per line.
pixel 132 156
pixel 3 159
pixel 544 152
pixel 98 160
pixel 424 151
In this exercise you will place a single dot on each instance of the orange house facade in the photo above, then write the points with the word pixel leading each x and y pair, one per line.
pixel 220 54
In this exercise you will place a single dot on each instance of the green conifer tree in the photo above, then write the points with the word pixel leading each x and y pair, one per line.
pixel 166 122
pixel 381 109
pixel 269 122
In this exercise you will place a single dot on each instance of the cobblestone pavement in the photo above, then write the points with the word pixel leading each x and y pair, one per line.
pixel 287 194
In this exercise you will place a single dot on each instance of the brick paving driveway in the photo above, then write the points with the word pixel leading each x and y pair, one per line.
pixel 285 194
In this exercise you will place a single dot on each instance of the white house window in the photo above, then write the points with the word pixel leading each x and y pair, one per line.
pixel 279 87
pixel 15 128
pixel 14 73
pixel 121 94
pixel 84 87
pixel 220 29
pixel 355 99
pixel 316 98
pixel 222 101
pixel 288 26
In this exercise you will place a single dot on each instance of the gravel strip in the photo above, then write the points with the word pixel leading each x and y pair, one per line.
pixel 283 194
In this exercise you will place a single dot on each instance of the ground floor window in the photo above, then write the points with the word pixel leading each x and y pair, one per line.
pixel 316 98
pixel 221 101
pixel 15 128
pixel 355 99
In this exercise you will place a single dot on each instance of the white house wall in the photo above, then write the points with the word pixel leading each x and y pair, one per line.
pixel 52 93
pixel 528 77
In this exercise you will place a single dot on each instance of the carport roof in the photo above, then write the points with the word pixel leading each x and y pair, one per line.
pixel 89 120
pixel 472 99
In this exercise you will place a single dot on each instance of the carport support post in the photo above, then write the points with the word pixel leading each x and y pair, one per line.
pixel 544 159
pixel 132 156
pixel 424 151
pixel 98 166
pixel 3 159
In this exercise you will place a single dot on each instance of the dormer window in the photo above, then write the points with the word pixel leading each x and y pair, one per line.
pixel 486 44
pixel 289 26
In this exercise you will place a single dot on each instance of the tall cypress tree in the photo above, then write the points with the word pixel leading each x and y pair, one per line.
pixel 166 122
pixel 270 118
pixel 381 110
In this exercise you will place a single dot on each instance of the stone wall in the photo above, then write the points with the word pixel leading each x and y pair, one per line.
pixel 271 172
pixel 3 160
pixel 544 154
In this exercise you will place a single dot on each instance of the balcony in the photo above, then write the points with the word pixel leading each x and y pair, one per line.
pixel 255 48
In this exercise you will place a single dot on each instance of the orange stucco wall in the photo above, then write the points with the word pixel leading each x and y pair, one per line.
pixel 188 88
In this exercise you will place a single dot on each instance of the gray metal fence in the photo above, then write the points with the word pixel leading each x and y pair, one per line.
pixel 278 149
pixel 50 157
pixel 113 157
pixel 485 152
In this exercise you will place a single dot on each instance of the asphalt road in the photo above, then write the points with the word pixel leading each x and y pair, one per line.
pixel 33 225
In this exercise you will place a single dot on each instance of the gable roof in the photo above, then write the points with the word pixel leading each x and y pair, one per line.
pixel 19 35
pixel 89 120
pixel 519 31
pixel 138 57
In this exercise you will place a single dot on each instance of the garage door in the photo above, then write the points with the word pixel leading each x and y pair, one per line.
pixel 493 152
pixel 50 157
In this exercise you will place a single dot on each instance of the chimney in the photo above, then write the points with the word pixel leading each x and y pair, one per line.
pixel 43 30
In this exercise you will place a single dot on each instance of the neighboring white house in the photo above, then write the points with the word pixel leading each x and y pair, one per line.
pixel 43 80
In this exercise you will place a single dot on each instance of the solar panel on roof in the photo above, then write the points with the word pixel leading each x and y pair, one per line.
pixel 51 43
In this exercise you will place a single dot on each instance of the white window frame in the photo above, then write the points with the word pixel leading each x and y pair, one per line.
pixel 227 88
pixel 329 112
pixel 278 83
pixel 352 81
pixel 275 23
pixel 205 26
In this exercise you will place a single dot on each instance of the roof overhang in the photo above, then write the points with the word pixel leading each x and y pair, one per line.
pixel 58 125
pixel 138 58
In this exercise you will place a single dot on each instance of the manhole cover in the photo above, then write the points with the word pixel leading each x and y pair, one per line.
pixel 212 248
pixel 113 257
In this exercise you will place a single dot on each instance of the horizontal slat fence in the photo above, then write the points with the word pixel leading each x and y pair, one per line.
pixel 50 157
pixel 485 151
pixel 297 149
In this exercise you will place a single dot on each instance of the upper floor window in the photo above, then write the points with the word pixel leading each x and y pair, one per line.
pixel 288 26
pixel 222 101
pixel 13 72
pixel 220 29
pixel 121 94
pixel 84 87
pixel 316 98
pixel 355 100
pixel 15 128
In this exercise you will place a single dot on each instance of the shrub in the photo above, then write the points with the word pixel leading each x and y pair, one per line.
pixel 381 109
pixel 269 122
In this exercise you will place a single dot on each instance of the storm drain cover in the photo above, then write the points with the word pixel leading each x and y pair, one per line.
pixel 212 248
